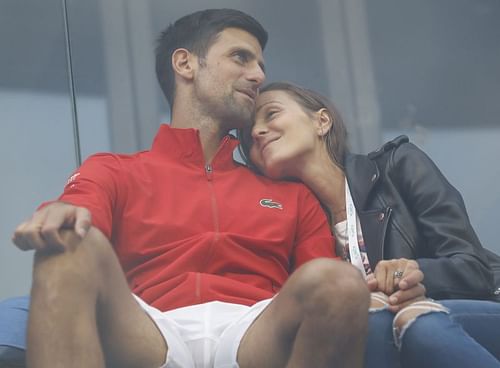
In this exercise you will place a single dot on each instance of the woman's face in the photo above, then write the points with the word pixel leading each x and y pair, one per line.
pixel 283 135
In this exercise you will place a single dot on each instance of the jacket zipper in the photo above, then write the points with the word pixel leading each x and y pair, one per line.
pixel 209 170
pixel 198 287
pixel 215 215
pixel 398 228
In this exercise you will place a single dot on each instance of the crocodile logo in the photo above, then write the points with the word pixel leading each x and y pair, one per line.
pixel 269 203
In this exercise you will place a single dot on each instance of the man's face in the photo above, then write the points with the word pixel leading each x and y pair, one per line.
pixel 228 78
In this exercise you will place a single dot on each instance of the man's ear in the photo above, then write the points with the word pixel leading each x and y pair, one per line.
pixel 323 122
pixel 183 63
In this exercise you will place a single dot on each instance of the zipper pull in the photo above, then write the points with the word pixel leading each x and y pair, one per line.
pixel 209 171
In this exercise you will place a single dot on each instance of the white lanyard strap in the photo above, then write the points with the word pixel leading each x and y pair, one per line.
pixel 352 232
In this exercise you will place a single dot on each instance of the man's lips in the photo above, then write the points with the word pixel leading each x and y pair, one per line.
pixel 249 92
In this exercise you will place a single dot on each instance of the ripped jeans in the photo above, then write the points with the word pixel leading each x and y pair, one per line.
pixel 438 339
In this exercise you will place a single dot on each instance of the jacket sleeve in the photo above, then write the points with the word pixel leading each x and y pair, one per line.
pixel 451 257
pixel 95 186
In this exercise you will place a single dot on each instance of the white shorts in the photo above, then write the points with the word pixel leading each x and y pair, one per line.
pixel 204 335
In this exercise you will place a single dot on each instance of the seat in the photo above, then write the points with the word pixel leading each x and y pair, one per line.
pixel 13 322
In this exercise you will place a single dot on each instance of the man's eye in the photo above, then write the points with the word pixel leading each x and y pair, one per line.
pixel 241 57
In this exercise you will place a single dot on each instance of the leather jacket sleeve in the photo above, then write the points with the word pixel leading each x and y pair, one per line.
pixel 449 253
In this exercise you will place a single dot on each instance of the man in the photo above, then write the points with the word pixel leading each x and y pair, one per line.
pixel 203 243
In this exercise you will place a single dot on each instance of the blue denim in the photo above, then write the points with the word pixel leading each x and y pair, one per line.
pixel 468 337
pixel 380 351
pixel 480 319
pixel 13 321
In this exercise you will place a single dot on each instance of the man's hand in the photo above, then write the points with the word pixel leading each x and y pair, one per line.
pixel 400 279
pixel 43 231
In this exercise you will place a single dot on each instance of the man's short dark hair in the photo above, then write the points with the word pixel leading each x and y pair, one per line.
pixel 196 32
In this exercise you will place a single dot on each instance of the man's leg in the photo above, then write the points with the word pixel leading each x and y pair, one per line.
pixel 83 314
pixel 319 319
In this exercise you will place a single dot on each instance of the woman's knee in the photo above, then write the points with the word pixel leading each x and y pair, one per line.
pixel 418 319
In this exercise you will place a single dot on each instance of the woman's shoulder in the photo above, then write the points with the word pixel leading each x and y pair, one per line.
pixel 401 143
pixel 389 146
pixel 400 151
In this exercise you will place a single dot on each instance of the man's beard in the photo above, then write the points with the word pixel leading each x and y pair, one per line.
pixel 237 113
pixel 227 105
pixel 230 111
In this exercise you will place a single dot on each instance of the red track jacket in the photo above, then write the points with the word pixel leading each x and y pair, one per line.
pixel 187 232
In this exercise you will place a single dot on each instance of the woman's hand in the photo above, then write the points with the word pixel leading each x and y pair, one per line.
pixel 378 300
pixel 399 279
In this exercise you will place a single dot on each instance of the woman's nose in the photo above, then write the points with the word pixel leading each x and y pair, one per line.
pixel 259 130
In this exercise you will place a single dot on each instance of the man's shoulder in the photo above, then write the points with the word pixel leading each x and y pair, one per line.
pixel 250 174
pixel 287 190
pixel 109 158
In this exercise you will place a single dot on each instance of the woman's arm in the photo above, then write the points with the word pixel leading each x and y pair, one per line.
pixel 451 257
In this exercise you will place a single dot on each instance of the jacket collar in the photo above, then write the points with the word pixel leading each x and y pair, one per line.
pixel 362 175
pixel 185 145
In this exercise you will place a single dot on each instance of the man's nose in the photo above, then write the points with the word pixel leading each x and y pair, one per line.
pixel 257 75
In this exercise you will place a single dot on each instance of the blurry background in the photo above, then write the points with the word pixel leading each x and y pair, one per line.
pixel 77 77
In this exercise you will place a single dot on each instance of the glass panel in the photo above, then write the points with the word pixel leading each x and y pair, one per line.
pixel 438 81
pixel 36 136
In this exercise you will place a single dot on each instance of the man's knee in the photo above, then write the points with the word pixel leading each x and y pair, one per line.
pixel 80 264
pixel 323 283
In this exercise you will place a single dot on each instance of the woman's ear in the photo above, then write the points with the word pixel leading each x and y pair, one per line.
pixel 183 63
pixel 323 122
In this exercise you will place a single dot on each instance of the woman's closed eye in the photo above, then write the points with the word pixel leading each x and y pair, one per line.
pixel 271 114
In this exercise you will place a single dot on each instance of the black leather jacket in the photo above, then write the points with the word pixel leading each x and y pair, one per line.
pixel 408 209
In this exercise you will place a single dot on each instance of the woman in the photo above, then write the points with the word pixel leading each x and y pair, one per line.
pixel 393 204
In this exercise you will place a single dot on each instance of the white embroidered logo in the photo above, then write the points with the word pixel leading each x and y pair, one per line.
pixel 72 178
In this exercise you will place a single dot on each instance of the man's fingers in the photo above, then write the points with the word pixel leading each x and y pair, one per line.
pixel 50 234
pixel 58 218
pixel 43 230
pixel 27 235
pixel 18 238
pixel 82 221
